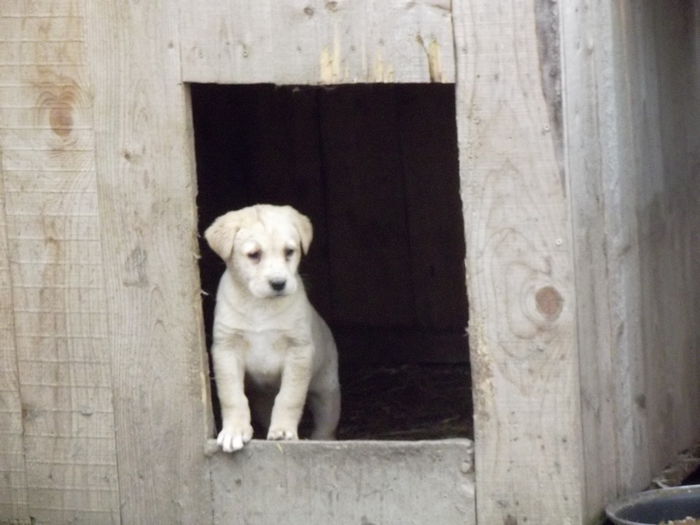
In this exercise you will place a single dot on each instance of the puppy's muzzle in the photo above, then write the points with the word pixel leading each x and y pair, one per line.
pixel 278 285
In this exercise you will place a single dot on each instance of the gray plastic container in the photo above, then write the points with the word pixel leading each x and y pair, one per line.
pixel 656 506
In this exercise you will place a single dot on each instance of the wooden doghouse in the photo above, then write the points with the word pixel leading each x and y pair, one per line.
pixel 560 150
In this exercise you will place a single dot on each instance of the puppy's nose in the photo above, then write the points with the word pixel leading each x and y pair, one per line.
pixel 278 284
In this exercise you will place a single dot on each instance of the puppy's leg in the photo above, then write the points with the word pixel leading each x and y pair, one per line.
pixel 325 407
pixel 289 403
pixel 235 413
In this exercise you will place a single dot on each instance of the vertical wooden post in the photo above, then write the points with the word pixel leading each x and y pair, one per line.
pixel 520 272
pixel 61 445
pixel 13 474
pixel 146 191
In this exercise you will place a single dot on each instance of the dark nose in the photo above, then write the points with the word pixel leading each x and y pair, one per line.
pixel 278 284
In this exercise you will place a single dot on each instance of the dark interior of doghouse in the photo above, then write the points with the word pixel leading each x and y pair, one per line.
pixel 375 168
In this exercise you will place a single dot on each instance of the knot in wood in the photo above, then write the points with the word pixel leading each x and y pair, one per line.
pixel 59 102
pixel 549 303
pixel 61 118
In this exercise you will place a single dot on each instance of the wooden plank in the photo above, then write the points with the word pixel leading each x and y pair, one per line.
pixel 36 8
pixel 18 138
pixel 49 188
pixel 13 475
pixel 65 28
pixel 605 379
pixel 295 42
pixel 346 482
pixel 630 157
pixel 365 208
pixel 146 189
pixel 519 264
pixel 429 157
pixel 54 52
pixel 36 160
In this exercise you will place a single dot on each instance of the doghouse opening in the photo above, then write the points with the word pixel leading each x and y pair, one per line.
pixel 375 168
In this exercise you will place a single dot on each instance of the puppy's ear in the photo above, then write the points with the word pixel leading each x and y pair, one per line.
pixel 303 226
pixel 221 233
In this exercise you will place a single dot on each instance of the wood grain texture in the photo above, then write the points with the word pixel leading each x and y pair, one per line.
pixel 316 41
pixel 519 267
pixel 55 271
pixel 631 143
pixel 587 53
pixel 346 482
pixel 13 475
pixel 146 189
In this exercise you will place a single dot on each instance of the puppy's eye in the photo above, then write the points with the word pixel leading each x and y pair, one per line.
pixel 288 252
pixel 255 256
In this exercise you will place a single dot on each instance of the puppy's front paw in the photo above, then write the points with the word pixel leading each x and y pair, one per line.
pixel 282 434
pixel 231 439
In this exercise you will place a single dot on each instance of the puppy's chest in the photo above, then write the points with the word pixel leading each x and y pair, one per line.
pixel 265 355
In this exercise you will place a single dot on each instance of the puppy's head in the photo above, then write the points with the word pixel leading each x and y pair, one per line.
pixel 262 246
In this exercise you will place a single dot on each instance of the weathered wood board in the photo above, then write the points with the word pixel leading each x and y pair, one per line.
pixel 346 482
pixel 316 42
pixel 520 272
pixel 632 161
pixel 146 189
pixel 61 445
pixel 587 168
pixel 13 475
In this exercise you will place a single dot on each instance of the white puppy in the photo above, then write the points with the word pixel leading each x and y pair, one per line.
pixel 265 327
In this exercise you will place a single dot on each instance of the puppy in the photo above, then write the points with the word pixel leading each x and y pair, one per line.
pixel 266 331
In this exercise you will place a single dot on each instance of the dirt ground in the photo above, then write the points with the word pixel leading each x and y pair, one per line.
pixel 401 402
pixel 406 402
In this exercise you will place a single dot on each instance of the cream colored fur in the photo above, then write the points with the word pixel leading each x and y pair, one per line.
pixel 265 329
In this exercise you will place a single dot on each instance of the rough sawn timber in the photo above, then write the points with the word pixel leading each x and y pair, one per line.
pixel 520 272
pixel 147 212
pixel 349 482
pixel 316 41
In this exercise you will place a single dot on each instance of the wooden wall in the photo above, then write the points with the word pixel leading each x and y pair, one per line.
pixel 316 41
pixel 578 141
pixel 59 457
pixel 632 108
pixel 346 482
pixel 102 380
pixel 520 265
pixel 578 135
pixel 144 156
